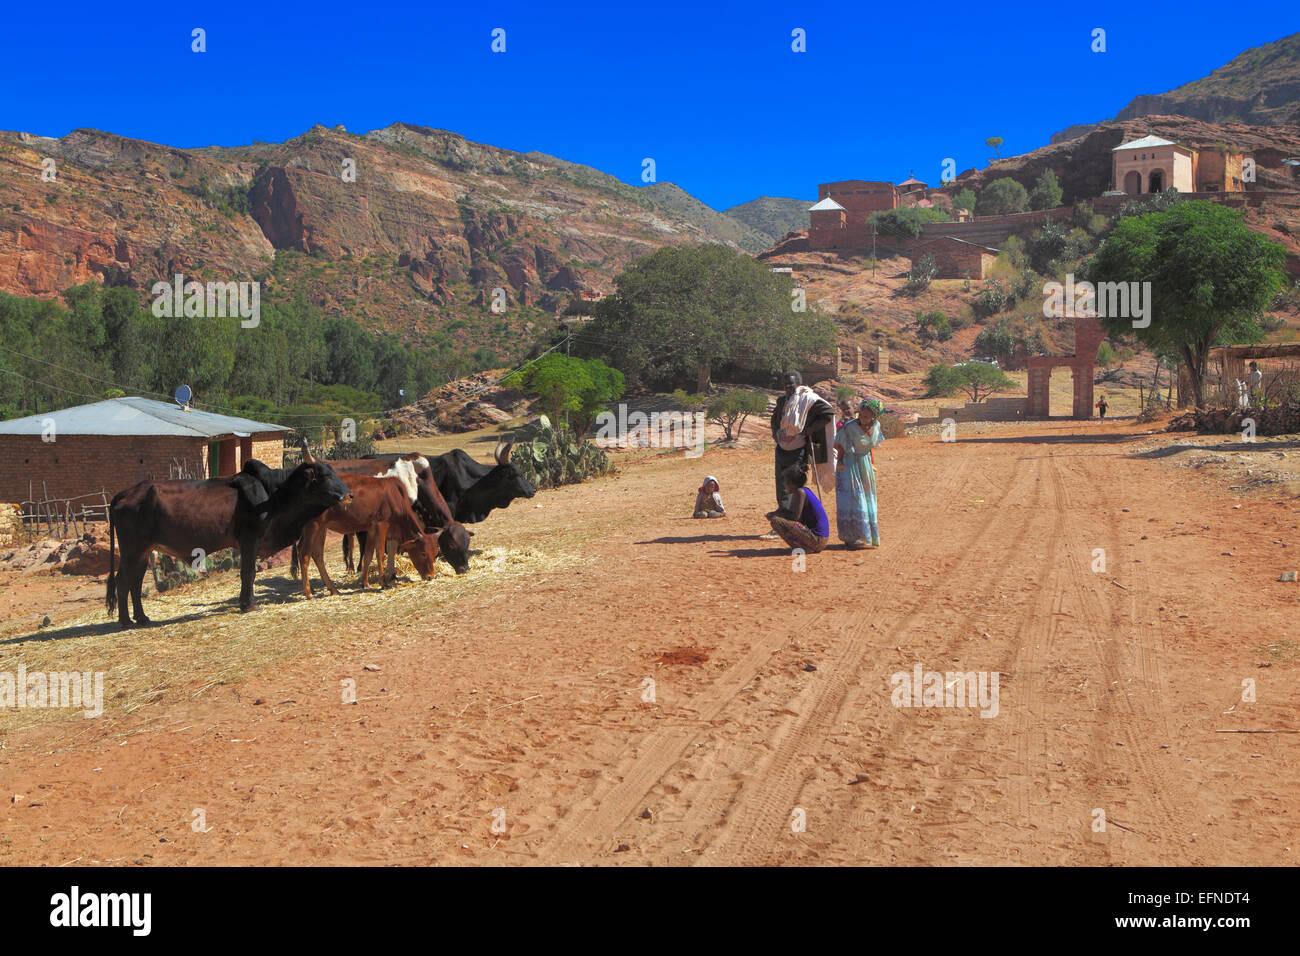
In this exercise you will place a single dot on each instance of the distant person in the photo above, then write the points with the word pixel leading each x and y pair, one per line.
pixel 1256 380
pixel 799 417
pixel 846 414
pixel 1102 406
pixel 812 530
pixel 855 478
pixel 708 500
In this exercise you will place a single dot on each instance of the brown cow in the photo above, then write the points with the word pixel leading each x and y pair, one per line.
pixel 429 505
pixel 377 505
pixel 181 517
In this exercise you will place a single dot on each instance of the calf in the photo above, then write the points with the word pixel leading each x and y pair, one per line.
pixel 177 517
pixel 377 505
pixel 429 505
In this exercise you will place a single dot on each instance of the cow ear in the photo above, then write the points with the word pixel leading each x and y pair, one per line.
pixel 468 532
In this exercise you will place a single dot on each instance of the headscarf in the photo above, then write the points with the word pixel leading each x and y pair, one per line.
pixel 707 479
pixel 875 404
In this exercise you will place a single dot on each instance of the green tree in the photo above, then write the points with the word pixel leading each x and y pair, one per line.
pixel 964 198
pixel 942 381
pixel 730 409
pixel 1046 193
pixel 933 326
pixel 1105 355
pixel 1211 277
pixel 907 222
pixel 684 311
pixel 1002 197
pixel 979 380
pixel 995 142
pixel 570 387
pixel 996 341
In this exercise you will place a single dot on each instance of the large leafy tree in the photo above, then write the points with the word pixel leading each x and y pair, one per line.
pixel 684 311
pixel 1001 198
pixel 1211 278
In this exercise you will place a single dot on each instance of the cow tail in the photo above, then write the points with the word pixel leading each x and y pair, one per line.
pixel 111 597
pixel 293 562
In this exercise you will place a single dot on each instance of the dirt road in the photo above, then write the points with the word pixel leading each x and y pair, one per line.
pixel 512 726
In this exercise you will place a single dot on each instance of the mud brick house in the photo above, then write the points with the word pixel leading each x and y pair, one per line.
pixel 113 444
pixel 956 258
pixel 1152 164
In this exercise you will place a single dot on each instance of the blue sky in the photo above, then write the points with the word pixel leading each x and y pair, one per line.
pixel 712 92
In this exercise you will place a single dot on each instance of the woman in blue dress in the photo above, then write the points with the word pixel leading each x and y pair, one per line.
pixel 855 478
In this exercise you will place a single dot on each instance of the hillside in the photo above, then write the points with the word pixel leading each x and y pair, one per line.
pixel 413 244
pixel 672 198
pixel 1259 87
pixel 773 216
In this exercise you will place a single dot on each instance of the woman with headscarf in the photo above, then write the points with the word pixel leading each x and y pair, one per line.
pixel 855 478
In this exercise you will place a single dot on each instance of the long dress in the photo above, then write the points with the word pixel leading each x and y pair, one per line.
pixel 855 483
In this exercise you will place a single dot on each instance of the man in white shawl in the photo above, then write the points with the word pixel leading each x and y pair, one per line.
pixel 799 424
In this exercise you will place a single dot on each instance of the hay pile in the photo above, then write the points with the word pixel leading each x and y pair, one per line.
pixel 199 639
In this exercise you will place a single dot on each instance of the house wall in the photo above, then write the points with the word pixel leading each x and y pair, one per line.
pixel 74 465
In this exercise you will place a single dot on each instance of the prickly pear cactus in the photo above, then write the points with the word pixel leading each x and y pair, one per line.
pixel 551 455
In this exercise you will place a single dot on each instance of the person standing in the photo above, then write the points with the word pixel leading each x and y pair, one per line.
pixel 799 417
pixel 855 478
pixel 1102 406
pixel 1256 381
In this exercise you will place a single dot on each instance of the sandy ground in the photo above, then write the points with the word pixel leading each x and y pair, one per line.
pixel 512 726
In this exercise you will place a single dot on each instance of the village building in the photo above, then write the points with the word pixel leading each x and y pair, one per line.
pixel 111 445
pixel 841 217
pixel 956 258
pixel 1151 165
pixel 912 185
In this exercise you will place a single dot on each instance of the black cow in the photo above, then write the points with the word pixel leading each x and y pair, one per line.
pixel 242 512
pixel 474 490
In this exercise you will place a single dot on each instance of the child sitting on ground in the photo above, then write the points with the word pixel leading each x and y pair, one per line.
pixel 812 531
pixel 708 503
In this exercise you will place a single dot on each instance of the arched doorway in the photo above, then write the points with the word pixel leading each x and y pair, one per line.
pixel 1156 181
pixel 1132 182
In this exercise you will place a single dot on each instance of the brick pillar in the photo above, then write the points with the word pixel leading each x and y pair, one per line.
pixel 882 361
pixel 1083 376
pixel 1039 392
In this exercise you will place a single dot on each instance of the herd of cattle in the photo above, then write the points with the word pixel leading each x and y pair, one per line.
pixel 421 504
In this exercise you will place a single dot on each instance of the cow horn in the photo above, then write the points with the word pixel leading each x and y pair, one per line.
pixel 307 456
pixel 503 452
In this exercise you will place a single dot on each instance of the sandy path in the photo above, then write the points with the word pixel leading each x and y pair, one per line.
pixel 523 705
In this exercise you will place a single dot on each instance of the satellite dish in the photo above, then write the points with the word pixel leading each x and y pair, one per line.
pixel 183 395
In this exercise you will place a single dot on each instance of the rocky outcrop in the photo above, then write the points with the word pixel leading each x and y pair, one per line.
pixel 406 228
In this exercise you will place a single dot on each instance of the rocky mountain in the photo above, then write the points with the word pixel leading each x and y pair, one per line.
pixel 671 198
pixel 1260 87
pixel 773 216
pixel 406 228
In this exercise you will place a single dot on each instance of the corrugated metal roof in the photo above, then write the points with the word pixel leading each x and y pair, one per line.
pixel 136 416
pixel 1146 142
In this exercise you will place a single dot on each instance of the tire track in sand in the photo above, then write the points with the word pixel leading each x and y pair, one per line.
pixel 583 827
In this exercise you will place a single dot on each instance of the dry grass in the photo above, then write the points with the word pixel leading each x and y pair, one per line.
pixel 200 640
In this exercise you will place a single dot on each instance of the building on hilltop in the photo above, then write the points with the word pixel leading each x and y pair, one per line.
pixel 1151 165
pixel 841 217
pixel 912 185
